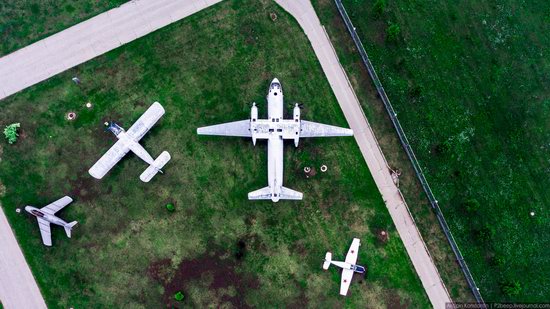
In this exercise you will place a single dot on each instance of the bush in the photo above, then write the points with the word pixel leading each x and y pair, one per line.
pixel 379 7
pixel 11 132
pixel 170 207
pixel 393 32
pixel 511 288
pixel 178 296
pixel 472 206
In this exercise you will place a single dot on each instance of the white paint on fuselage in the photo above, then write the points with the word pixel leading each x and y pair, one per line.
pixel 275 140
pixel 135 147
pixel 50 218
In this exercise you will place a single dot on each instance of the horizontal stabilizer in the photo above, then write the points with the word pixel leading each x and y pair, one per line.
pixel 328 259
pixel 289 194
pixel 69 227
pixel 261 194
pixel 154 168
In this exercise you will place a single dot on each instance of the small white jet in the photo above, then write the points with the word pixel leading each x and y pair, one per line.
pixel 128 140
pixel 46 215
pixel 275 129
pixel 348 267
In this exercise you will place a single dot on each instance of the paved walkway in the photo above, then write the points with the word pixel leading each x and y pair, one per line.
pixel 48 57
pixel 91 38
pixel 304 13
pixel 18 288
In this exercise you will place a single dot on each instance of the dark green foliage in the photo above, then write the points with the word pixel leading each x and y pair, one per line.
pixel 379 7
pixel 511 288
pixel 179 296
pixel 170 207
pixel 393 31
pixel 472 206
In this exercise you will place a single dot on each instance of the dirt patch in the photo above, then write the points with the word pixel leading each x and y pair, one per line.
pixel 220 269
pixel 84 187
pixel 394 301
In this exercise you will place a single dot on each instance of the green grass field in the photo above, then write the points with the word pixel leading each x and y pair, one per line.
pixel 24 22
pixel 470 83
pixel 218 248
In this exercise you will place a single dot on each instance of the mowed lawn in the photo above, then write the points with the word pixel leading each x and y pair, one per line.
pixel 24 22
pixel 218 248
pixel 470 83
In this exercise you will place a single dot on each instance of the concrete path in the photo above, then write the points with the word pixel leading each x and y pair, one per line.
pixel 304 13
pixel 55 54
pixel 91 38
pixel 17 286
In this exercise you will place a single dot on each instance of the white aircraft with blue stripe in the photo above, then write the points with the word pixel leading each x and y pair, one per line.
pixel 349 268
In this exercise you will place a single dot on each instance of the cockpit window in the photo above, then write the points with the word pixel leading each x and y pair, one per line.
pixel 275 86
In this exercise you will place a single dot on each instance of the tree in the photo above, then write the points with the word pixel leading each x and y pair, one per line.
pixel 393 32
pixel 10 132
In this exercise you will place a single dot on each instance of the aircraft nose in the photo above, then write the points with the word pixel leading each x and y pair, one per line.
pixel 275 80
pixel 28 208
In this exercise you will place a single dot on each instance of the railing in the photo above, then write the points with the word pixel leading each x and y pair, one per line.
pixel 405 143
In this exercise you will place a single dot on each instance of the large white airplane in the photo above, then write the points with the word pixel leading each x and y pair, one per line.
pixel 275 129
pixel 128 140
pixel 46 215
pixel 348 266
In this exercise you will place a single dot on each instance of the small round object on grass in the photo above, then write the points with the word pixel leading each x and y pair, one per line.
pixel 170 207
pixel 71 116
pixel 178 296
pixel 324 168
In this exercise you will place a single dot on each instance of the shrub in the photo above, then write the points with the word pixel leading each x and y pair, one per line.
pixel 511 288
pixel 472 205
pixel 11 132
pixel 178 296
pixel 170 207
pixel 393 32
pixel 379 7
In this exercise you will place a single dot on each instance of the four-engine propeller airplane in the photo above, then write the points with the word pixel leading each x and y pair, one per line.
pixel 46 215
pixel 275 129
pixel 128 140
pixel 348 266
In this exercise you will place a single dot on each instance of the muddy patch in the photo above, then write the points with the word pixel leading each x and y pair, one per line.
pixel 84 187
pixel 220 271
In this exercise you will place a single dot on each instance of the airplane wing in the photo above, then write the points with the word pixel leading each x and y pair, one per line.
pixel 45 231
pixel 314 129
pixel 347 275
pixel 108 160
pixel 57 205
pixel 351 257
pixel 235 128
pixel 146 121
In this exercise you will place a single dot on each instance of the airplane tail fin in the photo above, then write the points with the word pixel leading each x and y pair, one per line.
pixel 154 168
pixel 289 194
pixel 328 259
pixel 69 227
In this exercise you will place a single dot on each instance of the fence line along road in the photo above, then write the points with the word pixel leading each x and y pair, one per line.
pixel 404 141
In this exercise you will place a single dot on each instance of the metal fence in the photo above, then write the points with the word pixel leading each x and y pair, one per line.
pixel 403 138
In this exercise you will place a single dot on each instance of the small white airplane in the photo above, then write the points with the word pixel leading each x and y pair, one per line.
pixel 46 215
pixel 275 129
pixel 348 267
pixel 128 140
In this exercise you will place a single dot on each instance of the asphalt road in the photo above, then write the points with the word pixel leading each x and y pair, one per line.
pixel 303 12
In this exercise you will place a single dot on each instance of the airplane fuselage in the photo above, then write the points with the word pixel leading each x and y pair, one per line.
pixel 356 268
pixel 42 215
pixel 275 142
pixel 129 142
